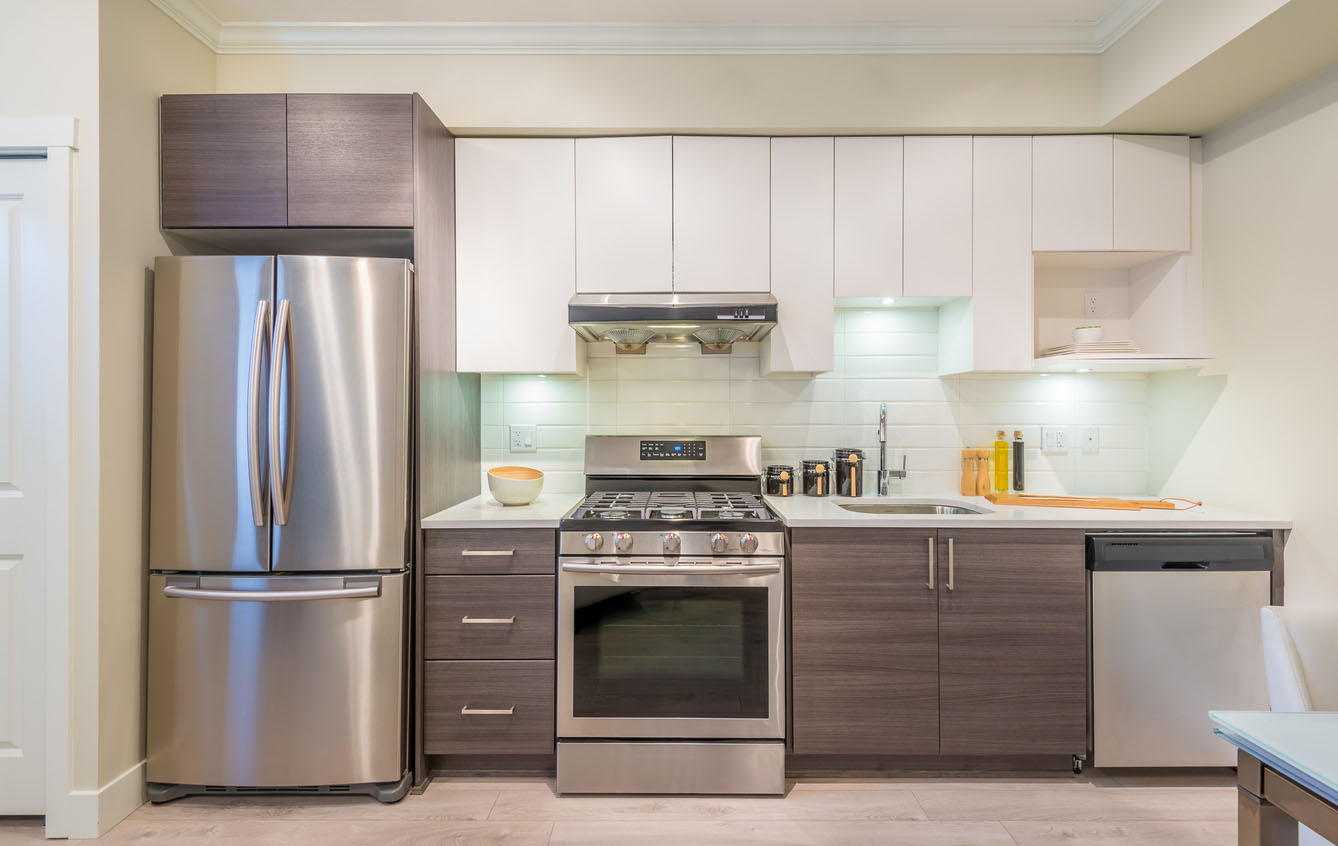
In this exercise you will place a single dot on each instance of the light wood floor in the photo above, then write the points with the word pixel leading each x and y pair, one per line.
pixel 1100 809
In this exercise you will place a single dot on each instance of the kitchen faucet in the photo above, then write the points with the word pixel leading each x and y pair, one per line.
pixel 885 476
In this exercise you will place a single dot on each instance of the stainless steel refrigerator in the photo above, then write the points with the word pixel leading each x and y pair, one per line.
pixel 280 524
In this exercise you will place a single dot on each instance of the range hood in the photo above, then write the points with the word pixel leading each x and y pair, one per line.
pixel 631 321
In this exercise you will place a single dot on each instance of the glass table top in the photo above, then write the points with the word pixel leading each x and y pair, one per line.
pixel 1302 746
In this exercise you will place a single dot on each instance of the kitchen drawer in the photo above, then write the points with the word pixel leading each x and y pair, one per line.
pixel 481 552
pixel 524 689
pixel 466 616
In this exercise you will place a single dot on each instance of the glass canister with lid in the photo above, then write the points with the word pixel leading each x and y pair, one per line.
pixel 780 480
pixel 817 477
pixel 848 468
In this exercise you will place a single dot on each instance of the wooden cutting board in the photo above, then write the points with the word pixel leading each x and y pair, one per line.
pixel 1111 503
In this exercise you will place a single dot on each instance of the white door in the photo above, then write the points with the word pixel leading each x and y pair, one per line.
pixel 625 215
pixel 22 471
pixel 868 215
pixel 936 216
pixel 1072 192
pixel 722 214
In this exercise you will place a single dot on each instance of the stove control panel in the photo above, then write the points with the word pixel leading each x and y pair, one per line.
pixel 673 450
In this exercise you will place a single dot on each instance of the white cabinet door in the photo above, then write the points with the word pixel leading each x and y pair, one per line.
pixel 25 381
pixel 624 214
pixel 1072 192
pixel 868 217
pixel 515 213
pixel 801 256
pixel 721 214
pixel 937 217
pixel 1151 192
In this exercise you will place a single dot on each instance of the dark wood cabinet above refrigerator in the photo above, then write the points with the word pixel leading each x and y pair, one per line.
pixel 258 161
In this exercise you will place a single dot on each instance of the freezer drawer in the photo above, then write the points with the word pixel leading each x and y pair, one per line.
pixel 298 682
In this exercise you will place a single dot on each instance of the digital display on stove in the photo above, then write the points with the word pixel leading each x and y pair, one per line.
pixel 673 450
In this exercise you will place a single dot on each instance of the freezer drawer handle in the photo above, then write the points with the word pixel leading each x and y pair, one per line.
pixel 487 712
pixel 476 552
pixel 488 621
pixel 273 595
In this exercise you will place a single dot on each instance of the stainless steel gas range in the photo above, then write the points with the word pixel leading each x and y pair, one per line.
pixel 671 598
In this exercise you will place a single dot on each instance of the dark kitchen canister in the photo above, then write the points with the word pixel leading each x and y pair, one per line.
pixel 848 465
pixel 817 477
pixel 780 480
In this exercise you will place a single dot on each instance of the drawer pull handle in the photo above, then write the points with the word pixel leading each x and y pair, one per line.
pixel 487 712
pixel 489 552
pixel 488 621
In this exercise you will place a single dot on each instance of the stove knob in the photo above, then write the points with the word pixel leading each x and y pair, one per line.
pixel 671 543
pixel 622 541
pixel 719 543
pixel 594 541
pixel 748 543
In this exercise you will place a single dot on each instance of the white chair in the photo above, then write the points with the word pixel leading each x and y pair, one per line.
pixel 1301 663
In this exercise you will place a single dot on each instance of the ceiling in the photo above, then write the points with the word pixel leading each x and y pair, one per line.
pixel 675 11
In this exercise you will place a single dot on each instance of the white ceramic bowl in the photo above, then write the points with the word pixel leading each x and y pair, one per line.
pixel 515 485
pixel 1087 334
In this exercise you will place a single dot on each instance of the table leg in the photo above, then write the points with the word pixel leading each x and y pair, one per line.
pixel 1258 821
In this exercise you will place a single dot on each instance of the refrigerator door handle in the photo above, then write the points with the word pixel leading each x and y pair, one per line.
pixel 360 592
pixel 278 353
pixel 253 435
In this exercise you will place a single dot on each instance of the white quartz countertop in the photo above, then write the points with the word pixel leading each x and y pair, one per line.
pixel 816 512
pixel 484 512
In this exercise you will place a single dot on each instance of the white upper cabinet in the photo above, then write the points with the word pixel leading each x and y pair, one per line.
pixel 868 217
pixel 937 211
pixel 515 212
pixel 722 210
pixel 624 214
pixel 1072 199
pixel 801 256
pixel 1152 192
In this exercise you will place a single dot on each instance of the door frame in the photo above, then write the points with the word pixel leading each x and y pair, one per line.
pixel 55 139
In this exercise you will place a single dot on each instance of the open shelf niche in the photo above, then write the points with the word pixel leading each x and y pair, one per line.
pixel 1154 299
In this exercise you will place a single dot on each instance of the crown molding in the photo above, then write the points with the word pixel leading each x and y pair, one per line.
pixel 638 38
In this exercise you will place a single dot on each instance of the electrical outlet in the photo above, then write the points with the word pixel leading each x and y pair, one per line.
pixel 1054 439
pixel 1091 440
pixel 1094 303
pixel 523 438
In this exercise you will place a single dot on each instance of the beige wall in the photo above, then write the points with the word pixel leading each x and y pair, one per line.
pixel 565 94
pixel 1256 430
pixel 132 77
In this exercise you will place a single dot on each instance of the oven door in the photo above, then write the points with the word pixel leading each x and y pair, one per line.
pixel 674 651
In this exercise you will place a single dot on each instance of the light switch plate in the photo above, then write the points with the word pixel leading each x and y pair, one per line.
pixel 1091 440
pixel 1054 439
pixel 523 438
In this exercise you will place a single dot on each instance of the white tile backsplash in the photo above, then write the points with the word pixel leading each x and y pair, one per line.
pixel 882 355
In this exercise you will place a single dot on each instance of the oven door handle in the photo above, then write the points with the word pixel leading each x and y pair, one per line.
pixel 683 569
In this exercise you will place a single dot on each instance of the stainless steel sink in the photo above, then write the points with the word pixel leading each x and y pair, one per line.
pixel 910 508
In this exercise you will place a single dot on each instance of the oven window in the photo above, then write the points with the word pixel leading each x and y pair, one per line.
pixel 670 652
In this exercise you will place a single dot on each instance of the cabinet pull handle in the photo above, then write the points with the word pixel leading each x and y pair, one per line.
pixel 487 712
pixel 476 552
pixel 930 584
pixel 950 565
pixel 488 621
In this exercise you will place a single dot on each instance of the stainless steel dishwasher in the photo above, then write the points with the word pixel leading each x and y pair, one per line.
pixel 1175 634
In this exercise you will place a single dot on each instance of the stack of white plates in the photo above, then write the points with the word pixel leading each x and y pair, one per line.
pixel 1125 346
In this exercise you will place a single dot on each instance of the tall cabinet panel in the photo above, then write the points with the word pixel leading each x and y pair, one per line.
pixel 624 214
pixel 350 160
pixel 801 256
pixel 1012 631
pixel 864 626
pixel 1072 199
pixel 515 209
pixel 721 211
pixel 937 217
pixel 223 160
pixel 868 217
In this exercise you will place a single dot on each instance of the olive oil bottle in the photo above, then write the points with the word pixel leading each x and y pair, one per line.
pixel 1001 450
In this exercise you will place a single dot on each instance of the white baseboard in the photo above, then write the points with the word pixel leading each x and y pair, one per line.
pixel 94 812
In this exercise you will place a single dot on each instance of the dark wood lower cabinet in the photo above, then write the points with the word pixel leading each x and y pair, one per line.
pixel 864 634
pixel 489 708
pixel 1012 630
